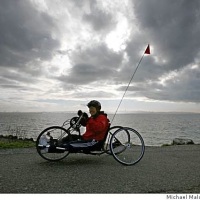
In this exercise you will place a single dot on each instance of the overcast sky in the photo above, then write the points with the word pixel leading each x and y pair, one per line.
pixel 56 55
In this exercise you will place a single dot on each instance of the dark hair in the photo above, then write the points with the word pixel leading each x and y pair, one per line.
pixel 95 104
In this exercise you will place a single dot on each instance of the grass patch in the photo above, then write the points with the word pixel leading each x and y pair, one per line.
pixel 4 144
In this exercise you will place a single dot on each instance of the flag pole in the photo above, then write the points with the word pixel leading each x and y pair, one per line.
pixel 147 51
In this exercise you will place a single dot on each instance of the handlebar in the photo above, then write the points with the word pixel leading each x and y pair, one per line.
pixel 75 122
pixel 80 114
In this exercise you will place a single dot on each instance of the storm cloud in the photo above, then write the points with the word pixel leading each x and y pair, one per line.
pixel 93 64
pixel 76 50
pixel 173 27
pixel 26 34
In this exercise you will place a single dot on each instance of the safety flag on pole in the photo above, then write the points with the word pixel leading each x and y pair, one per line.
pixel 147 51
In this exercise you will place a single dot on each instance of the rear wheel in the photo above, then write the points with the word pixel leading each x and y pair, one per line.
pixel 127 146
pixel 47 143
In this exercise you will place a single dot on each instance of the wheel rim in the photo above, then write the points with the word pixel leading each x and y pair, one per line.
pixel 48 148
pixel 129 146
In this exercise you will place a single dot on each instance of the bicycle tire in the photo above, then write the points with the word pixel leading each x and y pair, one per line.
pixel 131 144
pixel 43 146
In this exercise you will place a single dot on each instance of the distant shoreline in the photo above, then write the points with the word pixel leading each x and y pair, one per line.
pixel 111 113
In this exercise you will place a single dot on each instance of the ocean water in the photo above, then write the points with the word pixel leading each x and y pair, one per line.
pixel 155 128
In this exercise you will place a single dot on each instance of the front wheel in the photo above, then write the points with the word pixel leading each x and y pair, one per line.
pixel 129 143
pixel 47 141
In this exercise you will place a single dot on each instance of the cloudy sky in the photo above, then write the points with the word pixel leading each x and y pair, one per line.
pixel 56 55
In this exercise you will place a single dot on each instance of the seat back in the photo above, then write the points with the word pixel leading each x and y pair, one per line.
pixel 104 139
pixel 102 142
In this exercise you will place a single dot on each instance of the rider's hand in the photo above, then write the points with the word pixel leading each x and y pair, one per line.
pixel 84 119
pixel 79 113
pixel 85 115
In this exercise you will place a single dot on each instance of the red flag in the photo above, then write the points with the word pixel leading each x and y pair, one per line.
pixel 147 51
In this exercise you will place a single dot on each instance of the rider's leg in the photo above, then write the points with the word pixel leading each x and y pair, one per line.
pixel 70 138
pixel 85 145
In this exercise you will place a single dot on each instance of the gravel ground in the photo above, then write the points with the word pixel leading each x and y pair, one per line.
pixel 171 169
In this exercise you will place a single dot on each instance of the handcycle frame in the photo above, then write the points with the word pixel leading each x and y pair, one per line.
pixel 127 151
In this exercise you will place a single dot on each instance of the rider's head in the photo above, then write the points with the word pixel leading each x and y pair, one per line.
pixel 94 107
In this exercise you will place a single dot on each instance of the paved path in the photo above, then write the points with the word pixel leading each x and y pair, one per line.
pixel 173 169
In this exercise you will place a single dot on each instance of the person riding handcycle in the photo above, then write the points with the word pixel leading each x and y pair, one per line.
pixel 125 144
pixel 96 129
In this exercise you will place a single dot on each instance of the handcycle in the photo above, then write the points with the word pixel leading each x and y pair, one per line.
pixel 125 144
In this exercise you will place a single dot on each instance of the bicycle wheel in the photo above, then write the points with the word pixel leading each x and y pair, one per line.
pixel 46 143
pixel 129 143
pixel 111 131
